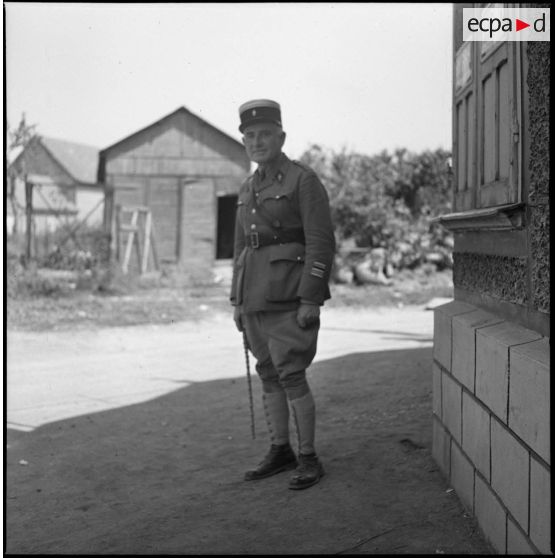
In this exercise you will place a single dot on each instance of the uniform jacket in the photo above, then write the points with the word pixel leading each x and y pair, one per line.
pixel 279 275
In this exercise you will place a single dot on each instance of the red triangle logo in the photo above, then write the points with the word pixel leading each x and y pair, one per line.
pixel 519 25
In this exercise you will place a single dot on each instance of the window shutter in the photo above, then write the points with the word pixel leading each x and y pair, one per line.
pixel 464 128
pixel 485 127
pixel 497 96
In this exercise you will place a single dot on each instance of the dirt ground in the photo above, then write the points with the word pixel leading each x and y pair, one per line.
pixel 164 476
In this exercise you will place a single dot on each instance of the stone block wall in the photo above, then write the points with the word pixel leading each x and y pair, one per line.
pixel 491 438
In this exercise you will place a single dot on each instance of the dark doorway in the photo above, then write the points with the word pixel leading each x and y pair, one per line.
pixel 226 215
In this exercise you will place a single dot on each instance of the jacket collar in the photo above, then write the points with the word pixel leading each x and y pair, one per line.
pixel 277 173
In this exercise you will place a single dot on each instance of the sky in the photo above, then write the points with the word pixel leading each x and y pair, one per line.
pixel 358 76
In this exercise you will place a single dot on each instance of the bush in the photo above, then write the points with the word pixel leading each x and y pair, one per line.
pixel 85 249
pixel 25 282
pixel 387 201
pixel 74 263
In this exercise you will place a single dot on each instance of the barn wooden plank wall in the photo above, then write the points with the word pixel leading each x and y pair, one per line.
pixel 177 167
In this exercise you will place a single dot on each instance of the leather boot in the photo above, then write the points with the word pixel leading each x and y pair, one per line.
pixel 308 473
pixel 309 470
pixel 279 458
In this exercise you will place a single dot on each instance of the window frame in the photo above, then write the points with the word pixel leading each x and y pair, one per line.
pixel 469 190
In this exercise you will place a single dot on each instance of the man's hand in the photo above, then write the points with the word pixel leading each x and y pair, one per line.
pixel 308 314
pixel 238 318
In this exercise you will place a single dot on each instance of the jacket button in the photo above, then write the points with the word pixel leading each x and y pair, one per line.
pixel 253 211
pixel 252 226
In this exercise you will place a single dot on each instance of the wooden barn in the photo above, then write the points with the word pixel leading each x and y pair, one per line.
pixel 186 173
pixel 64 178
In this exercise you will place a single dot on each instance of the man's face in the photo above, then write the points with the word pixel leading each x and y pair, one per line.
pixel 263 142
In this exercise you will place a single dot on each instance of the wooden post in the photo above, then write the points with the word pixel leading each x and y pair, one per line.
pixel 146 242
pixel 117 228
pixel 13 203
pixel 108 209
pixel 154 247
pixel 28 218
pixel 108 220
pixel 137 238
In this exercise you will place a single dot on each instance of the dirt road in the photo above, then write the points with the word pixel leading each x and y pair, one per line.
pixel 134 441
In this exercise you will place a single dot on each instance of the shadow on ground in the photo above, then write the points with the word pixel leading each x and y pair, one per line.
pixel 165 476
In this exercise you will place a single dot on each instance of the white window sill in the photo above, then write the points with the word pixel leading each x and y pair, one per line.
pixel 499 218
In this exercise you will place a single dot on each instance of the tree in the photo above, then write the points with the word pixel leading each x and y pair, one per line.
pixel 21 136
pixel 17 138
pixel 386 200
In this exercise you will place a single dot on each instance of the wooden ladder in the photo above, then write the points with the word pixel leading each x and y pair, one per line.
pixel 141 233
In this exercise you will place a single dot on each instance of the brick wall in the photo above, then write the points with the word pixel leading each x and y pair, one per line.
pixel 491 437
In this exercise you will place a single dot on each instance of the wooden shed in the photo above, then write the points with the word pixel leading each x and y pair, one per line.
pixel 187 173
pixel 64 174
pixel 52 185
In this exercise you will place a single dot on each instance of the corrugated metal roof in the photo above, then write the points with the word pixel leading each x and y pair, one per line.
pixel 79 160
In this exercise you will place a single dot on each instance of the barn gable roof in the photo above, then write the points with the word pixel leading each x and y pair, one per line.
pixel 78 161
pixel 169 116
pixel 181 110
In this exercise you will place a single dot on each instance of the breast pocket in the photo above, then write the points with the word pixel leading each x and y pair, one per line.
pixel 286 262
pixel 279 206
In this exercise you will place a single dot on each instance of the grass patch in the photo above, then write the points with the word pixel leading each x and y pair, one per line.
pixel 58 302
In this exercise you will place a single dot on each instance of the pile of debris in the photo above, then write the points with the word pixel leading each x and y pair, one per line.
pixel 377 266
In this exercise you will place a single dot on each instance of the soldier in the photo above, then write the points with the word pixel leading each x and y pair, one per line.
pixel 283 254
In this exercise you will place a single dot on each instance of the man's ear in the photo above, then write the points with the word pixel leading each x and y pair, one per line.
pixel 283 138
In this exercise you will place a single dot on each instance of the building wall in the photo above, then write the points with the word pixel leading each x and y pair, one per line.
pixel 89 203
pixel 491 404
pixel 538 84
pixel 491 369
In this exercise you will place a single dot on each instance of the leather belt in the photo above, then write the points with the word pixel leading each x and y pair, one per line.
pixel 258 240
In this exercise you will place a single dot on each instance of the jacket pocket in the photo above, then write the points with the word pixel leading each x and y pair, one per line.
pixel 280 207
pixel 286 263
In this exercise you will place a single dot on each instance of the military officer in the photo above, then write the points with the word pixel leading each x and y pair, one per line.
pixel 283 254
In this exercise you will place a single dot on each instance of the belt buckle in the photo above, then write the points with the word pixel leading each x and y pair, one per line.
pixel 254 240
